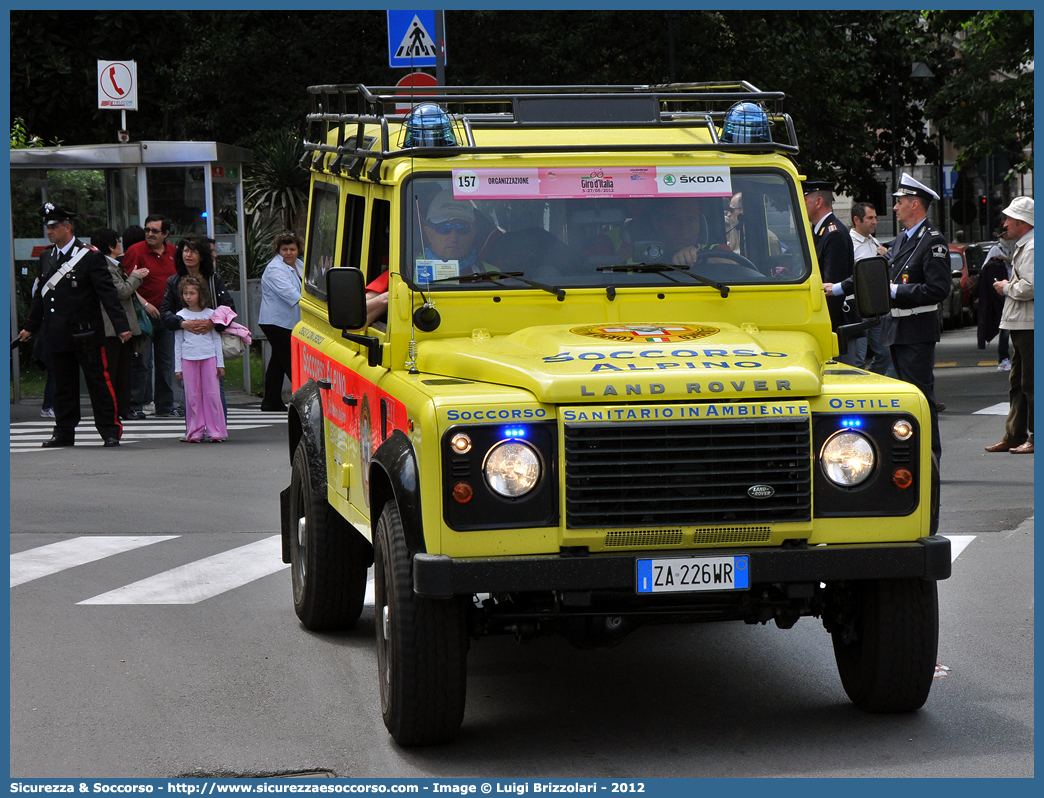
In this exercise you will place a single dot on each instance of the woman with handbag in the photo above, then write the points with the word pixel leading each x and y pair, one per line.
pixel 119 355
pixel 280 311
pixel 193 258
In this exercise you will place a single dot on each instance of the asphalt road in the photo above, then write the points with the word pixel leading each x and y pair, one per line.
pixel 229 683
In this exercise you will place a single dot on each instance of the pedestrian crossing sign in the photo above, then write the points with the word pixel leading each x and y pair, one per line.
pixel 411 39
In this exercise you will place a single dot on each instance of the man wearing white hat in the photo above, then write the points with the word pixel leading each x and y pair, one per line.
pixel 1017 317
pixel 919 279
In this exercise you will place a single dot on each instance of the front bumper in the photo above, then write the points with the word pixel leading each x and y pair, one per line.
pixel 439 576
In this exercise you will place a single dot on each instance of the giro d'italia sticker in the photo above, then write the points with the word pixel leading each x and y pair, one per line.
pixel 645 333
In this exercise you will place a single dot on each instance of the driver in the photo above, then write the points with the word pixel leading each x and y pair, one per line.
pixel 448 232
pixel 678 223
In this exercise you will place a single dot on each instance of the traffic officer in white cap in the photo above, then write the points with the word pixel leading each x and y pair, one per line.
pixel 919 279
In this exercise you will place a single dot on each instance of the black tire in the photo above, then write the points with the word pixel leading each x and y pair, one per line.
pixel 890 664
pixel 422 646
pixel 328 556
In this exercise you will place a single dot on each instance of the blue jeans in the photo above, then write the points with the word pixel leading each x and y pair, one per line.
pixel 880 356
pixel 161 350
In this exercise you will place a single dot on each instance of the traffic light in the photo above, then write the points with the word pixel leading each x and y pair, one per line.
pixel 983 219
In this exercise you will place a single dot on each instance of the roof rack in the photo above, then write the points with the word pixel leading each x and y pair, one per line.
pixel 685 105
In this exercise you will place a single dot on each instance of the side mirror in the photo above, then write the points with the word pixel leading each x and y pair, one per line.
pixel 346 309
pixel 870 276
pixel 346 298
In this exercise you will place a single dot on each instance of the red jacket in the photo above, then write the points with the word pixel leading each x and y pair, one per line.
pixel 160 267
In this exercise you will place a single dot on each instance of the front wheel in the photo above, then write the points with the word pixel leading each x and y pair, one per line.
pixel 328 556
pixel 886 652
pixel 421 646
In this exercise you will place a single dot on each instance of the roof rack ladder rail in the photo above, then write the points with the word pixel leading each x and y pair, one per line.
pixel 317 161
pixel 790 131
pixel 375 171
pixel 467 131
pixel 335 164
pixel 360 131
pixel 713 130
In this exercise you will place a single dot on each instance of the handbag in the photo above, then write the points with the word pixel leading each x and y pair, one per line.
pixel 232 346
pixel 143 318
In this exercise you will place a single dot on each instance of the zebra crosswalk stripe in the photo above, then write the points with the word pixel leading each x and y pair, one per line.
pixel 55 557
pixel 26 436
pixel 203 579
pixel 196 581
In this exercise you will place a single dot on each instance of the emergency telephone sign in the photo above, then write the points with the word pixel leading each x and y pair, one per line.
pixel 118 85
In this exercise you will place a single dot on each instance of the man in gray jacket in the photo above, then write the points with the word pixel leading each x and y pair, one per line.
pixel 1017 317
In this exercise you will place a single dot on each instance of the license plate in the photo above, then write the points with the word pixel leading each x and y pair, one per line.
pixel 687 574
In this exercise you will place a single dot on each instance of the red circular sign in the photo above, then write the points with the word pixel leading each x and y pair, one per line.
pixel 417 79
pixel 116 81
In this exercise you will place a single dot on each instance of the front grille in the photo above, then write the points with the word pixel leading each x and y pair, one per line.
pixel 732 534
pixel 645 537
pixel 687 473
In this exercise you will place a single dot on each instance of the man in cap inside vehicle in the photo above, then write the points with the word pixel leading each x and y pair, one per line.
pixel 919 279
pixel 75 286
pixel 1017 317
pixel 449 232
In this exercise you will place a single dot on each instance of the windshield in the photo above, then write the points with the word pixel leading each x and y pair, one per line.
pixel 581 228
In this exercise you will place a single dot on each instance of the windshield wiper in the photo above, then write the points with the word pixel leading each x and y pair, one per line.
pixel 662 268
pixel 488 277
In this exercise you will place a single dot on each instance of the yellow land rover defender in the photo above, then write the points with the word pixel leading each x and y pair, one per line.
pixel 548 378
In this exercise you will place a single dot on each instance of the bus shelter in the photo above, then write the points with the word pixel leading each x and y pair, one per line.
pixel 198 185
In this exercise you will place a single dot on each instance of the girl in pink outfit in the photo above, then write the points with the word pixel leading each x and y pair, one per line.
pixel 198 361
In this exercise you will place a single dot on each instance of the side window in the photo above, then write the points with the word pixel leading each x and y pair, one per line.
pixel 322 237
pixel 354 215
pixel 379 237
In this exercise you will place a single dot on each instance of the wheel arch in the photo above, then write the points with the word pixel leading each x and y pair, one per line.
pixel 305 422
pixel 394 476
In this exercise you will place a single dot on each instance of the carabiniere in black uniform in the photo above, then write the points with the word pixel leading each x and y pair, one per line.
pixel 920 268
pixel 69 311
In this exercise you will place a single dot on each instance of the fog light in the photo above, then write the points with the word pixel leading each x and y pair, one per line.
pixel 902 430
pixel 462 492
pixel 461 443
pixel 902 478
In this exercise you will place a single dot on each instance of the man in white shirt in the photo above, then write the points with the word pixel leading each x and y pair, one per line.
pixel 864 225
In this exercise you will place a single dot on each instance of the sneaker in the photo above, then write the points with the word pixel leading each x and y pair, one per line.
pixel 150 407
pixel 46 412
pixel 1004 365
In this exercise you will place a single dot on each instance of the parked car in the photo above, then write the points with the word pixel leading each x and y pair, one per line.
pixel 971 257
pixel 951 309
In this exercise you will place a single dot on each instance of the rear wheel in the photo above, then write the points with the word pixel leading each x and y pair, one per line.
pixel 421 646
pixel 328 556
pixel 886 652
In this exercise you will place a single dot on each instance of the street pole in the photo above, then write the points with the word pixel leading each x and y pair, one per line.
pixel 895 219
pixel 440 48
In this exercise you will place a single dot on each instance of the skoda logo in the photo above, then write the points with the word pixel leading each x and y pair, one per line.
pixel 668 180
pixel 761 491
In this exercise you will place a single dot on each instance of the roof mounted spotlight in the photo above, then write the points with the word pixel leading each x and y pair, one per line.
pixel 429 126
pixel 746 123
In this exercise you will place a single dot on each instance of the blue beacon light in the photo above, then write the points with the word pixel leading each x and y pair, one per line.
pixel 851 422
pixel 514 432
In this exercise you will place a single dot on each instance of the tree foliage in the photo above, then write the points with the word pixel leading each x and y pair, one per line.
pixel 985 104
pixel 278 183
pixel 236 76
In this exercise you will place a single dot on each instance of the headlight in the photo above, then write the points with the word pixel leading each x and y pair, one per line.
pixel 512 468
pixel 847 458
